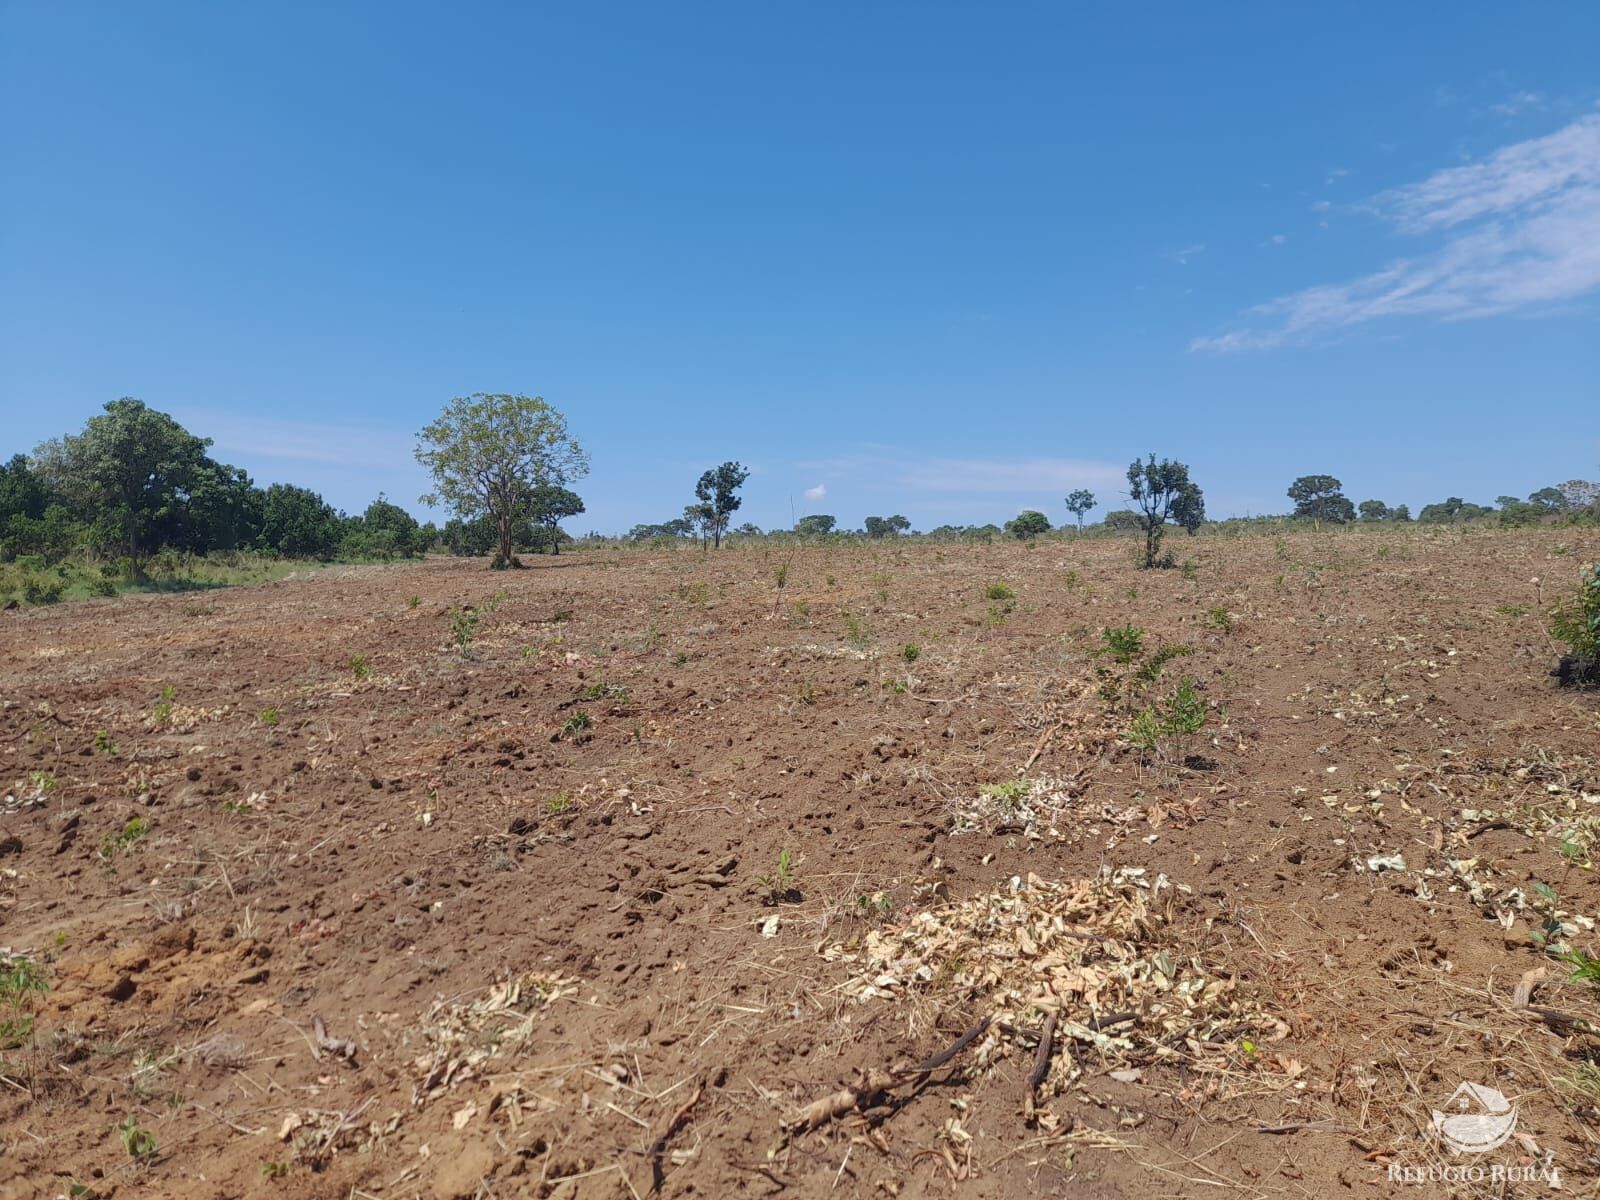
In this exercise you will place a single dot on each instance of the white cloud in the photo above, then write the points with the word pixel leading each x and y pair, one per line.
pixel 816 493
pixel 887 468
pixel 1518 102
pixel 1519 230
pixel 1182 257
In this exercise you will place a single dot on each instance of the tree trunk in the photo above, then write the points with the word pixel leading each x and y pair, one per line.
pixel 504 521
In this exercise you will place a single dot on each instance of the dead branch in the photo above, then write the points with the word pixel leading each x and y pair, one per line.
pixel 658 1148
pixel 1041 1065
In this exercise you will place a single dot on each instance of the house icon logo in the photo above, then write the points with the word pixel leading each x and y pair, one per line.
pixel 1476 1119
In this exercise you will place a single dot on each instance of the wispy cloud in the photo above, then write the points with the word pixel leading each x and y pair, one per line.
pixel 887 468
pixel 819 492
pixel 1182 257
pixel 1518 231
pixel 1517 103
pixel 348 444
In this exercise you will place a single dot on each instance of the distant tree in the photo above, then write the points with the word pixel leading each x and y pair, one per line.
pixel 1189 509
pixel 1321 498
pixel 898 524
pixel 749 529
pixel 1123 520
pixel 298 523
pixel 130 463
pixel 876 527
pixel 1029 524
pixel 1400 512
pixel 1451 511
pixel 1079 503
pixel 487 453
pixel 220 511
pixel 1580 494
pixel 1155 487
pixel 1374 510
pixel 548 506
pixel 698 518
pixel 717 493
pixel 815 525
pixel 383 517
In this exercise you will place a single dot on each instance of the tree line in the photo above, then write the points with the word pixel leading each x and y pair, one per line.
pixel 134 482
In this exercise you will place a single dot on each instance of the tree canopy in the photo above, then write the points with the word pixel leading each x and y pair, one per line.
pixel 1322 498
pixel 1156 487
pixel 1079 503
pixel 717 496
pixel 487 454
pixel 1028 524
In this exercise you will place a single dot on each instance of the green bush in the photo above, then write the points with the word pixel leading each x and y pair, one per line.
pixel 1576 622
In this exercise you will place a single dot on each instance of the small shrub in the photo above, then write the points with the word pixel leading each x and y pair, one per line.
pixel 1008 795
pixel 463 628
pixel 911 652
pixel 577 725
pixel 413 601
pixel 999 591
pixel 1576 623
pixel 855 632
pixel 1124 643
pixel 268 717
pixel 1217 618
pixel 780 574
pixel 104 745
pixel 103 587
pixel 140 1143
pixel 162 713
pixel 358 666
pixel 115 843
pixel 780 884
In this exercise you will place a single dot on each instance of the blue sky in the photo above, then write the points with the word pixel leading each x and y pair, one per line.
pixel 945 261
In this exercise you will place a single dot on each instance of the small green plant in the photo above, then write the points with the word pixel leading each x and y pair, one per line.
pixel 162 713
pixel 855 631
pixel 999 591
pixel 780 883
pixel 1548 934
pixel 102 587
pixel 1124 643
pixel 140 1143
pixel 1584 968
pixel 274 1170
pixel 21 982
pixel 780 574
pixel 104 745
pixel 359 667
pixel 463 628
pixel 1189 570
pixel 132 832
pixel 560 615
pixel 679 659
pixel 1008 795
pixel 873 905
pixel 996 616
pixel 268 717
pixel 1576 622
pixel 1150 669
pixel 577 725
pixel 1217 618
pixel 911 652
pixel 558 804
pixel 1174 721
pixel 413 601
pixel 42 781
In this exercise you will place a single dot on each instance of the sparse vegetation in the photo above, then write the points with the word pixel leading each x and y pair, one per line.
pixel 780 885
pixel 1575 622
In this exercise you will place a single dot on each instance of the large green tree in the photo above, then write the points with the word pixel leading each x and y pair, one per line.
pixel 1028 524
pixel 1156 487
pixel 487 454
pixel 815 525
pixel 1322 498
pixel 298 523
pixel 717 494
pixel 1079 503
pixel 131 463
pixel 548 506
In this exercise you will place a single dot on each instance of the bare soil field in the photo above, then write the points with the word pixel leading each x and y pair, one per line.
pixel 637 872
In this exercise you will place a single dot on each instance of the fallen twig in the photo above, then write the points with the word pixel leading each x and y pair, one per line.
pixel 1041 1065
pixel 658 1148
